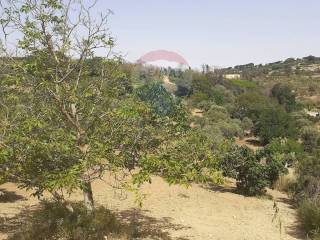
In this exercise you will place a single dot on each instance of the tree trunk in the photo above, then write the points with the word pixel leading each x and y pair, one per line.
pixel 88 196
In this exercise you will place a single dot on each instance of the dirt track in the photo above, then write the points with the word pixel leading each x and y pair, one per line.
pixel 175 212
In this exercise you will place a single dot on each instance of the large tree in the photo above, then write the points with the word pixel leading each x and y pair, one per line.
pixel 61 125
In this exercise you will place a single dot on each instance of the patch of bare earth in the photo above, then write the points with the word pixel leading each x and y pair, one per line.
pixel 196 112
pixel 313 98
pixel 251 142
pixel 175 212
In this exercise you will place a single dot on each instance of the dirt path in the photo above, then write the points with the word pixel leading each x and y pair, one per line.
pixel 195 213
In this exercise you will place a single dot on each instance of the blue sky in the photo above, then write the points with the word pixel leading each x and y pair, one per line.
pixel 222 33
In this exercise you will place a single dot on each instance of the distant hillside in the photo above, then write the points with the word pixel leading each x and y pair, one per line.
pixel 309 65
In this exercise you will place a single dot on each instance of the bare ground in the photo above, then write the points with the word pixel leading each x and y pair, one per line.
pixel 175 212
pixel 251 142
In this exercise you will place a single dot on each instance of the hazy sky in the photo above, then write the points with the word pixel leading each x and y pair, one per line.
pixel 222 33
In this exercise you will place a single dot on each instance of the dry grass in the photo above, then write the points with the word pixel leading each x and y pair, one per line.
pixel 175 212
pixel 285 182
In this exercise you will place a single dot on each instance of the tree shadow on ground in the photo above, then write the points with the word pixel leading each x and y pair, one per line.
pixel 9 197
pixel 295 230
pixel 143 226
pixel 221 189
pixel 135 223
pixel 10 225
pixel 254 142
pixel 288 201
pixel 234 190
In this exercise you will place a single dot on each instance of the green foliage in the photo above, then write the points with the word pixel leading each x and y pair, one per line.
pixel 187 159
pixel 231 158
pixel 310 138
pixel 309 175
pixel 251 178
pixel 243 83
pixel 183 83
pixel 71 120
pixel 284 95
pixel 302 119
pixel 309 215
pixel 161 101
pixel 270 120
pixel 275 166
pixel 286 146
pixel 204 90
pixel 273 123
pixel 246 124
pixel 250 104
pixel 54 221
pixel 279 154
pixel 307 192
pixel 217 117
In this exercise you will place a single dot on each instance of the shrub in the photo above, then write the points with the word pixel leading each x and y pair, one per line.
pixel 250 104
pixel 308 192
pixel 309 214
pixel 284 95
pixel 54 221
pixel 309 176
pixel 231 129
pixel 310 138
pixel 246 124
pixel 251 178
pixel 218 117
pixel 274 122
pixel 279 154
pixel 275 166
pixel 213 132
pixel 161 101
pixel 231 158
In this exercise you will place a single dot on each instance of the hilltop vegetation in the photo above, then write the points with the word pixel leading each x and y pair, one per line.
pixel 234 108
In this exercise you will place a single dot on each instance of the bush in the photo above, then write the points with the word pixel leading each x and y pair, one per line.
pixel 274 122
pixel 310 138
pixel 160 100
pixel 284 95
pixel 308 192
pixel 275 167
pixel 204 90
pixel 279 154
pixel 231 158
pixel 246 124
pixel 251 178
pixel 218 117
pixel 309 176
pixel 54 221
pixel 230 129
pixel 309 214
pixel 250 104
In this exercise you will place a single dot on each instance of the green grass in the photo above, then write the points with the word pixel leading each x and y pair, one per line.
pixel 243 83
